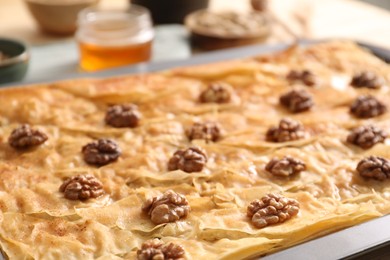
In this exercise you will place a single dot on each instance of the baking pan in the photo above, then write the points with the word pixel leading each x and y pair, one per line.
pixel 209 57
pixel 369 240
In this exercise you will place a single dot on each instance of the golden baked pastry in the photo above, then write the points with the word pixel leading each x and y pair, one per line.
pixel 220 161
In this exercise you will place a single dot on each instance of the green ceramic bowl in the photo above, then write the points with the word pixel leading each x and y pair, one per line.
pixel 14 67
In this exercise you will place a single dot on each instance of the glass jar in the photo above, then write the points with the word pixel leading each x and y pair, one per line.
pixel 112 38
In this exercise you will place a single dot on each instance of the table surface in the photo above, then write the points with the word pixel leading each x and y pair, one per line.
pixel 308 18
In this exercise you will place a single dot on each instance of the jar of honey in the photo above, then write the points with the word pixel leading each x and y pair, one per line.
pixel 113 38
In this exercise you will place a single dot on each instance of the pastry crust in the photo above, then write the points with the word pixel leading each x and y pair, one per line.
pixel 36 221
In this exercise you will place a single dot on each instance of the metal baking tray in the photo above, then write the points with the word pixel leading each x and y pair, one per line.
pixel 369 240
pixel 209 57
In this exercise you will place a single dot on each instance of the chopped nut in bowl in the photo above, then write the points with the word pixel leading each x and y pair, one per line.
pixel 169 207
pixel 212 30
pixel 82 187
pixel 155 249
pixel 272 209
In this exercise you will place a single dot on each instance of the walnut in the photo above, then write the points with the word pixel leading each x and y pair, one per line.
pixel 154 249
pixel 259 5
pixel 366 136
pixel 272 209
pixel 367 106
pixel 297 101
pixel 82 187
pixel 374 167
pixel 169 207
pixel 123 116
pixel 305 76
pixel 101 152
pixel 288 130
pixel 285 167
pixel 25 137
pixel 192 159
pixel 217 92
pixel 367 79
pixel 151 250
pixel 208 131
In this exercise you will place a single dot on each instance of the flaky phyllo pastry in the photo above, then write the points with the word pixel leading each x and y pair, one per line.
pixel 223 161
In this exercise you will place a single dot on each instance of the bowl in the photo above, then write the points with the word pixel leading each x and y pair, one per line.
pixel 14 61
pixel 58 16
pixel 219 30
pixel 171 11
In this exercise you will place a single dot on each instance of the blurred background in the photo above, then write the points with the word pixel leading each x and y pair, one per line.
pixel 181 28
pixel 381 3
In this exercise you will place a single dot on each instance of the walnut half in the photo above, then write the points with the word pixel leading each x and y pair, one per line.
pixel 366 136
pixel 82 187
pixel 259 5
pixel 288 130
pixel 367 107
pixel 285 167
pixel 190 160
pixel 297 101
pixel 217 92
pixel 367 79
pixel 155 249
pixel 208 131
pixel 305 76
pixel 374 167
pixel 272 209
pixel 169 207
pixel 24 137
pixel 101 152
pixel 126 115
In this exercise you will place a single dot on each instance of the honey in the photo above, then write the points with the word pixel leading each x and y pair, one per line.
pixel 95 57
pixel 109 39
